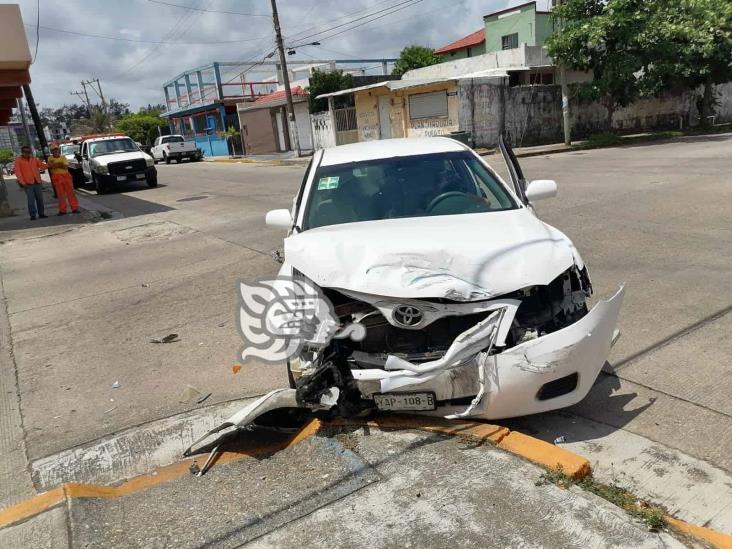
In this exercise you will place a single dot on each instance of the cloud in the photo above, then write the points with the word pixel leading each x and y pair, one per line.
pixel 134 72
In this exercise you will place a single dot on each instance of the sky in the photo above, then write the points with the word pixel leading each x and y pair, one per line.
pixel 133 71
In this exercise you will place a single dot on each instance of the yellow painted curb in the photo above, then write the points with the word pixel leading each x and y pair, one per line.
pixel 550 456
pixel 74 490
pixel 530 448
pixel 716 539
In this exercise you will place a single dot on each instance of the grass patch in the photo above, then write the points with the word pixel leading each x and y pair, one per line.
pixel 651 514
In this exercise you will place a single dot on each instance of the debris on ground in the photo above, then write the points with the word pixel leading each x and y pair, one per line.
pixel 203 398
pixel 115 385
pixel 560 440
pixel 170 338
pixel 236 368
pixel 194 469
pixel 145 285
pixel 189 395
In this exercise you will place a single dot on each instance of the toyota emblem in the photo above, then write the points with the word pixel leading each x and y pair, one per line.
pixel 408 316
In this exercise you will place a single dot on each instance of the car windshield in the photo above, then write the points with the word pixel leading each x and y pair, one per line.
pixel 174 139
pixel 69 149
pixel 411 186
pixel 111 146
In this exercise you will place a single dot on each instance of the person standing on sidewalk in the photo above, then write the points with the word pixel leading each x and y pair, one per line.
pixel 29 179
pixel 61 179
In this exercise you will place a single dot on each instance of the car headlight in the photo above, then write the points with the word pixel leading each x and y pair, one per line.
pixel 100 169
pixel 150 162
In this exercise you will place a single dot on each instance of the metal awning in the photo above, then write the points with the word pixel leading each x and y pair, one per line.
pixel 406 83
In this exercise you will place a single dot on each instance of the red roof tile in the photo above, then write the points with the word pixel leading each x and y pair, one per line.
pixel 478 37
pixel 279 95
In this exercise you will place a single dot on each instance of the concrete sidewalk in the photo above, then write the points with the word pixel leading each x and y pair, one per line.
pixel 351 487
pixel 20 220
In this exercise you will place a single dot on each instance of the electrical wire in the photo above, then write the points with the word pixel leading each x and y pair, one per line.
pixel 297 34
pixel 302 38
pixel 38 28
pixel 172 33
pixel 409 4
pixel 209 11
pixel 121 39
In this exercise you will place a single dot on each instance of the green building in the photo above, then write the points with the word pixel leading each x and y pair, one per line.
pixel 503 30
pixel 523 24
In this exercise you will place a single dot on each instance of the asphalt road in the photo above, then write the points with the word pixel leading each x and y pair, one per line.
pixel 655 217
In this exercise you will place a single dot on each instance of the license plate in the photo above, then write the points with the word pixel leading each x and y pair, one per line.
pixel 405 401
pixel 140 176
pixel 121 177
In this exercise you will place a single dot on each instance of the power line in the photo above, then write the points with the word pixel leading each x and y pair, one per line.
pixel 121 39
pixel 293 36
pixel 38 28
pixel 356 19
pixel 207 11
pixel 394 9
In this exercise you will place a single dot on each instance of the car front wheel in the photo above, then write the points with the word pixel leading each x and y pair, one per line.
pixel 99 186
pixel 166 158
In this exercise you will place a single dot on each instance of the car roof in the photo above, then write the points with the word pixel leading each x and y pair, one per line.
pixel 107 138
pixel 389 148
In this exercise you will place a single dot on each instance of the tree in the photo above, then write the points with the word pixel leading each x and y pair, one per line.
pixel 143 126
pixel 414 57
pixel 98 122
pixel 6 157
pixel 638 48
pixel 328 82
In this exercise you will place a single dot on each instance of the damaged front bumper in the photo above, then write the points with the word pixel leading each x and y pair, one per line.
pixel 473 378
pixel 550 372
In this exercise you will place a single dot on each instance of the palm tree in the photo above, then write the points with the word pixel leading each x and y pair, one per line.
pixel 98 122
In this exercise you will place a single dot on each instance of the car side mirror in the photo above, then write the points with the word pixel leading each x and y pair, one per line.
pixel 279 218
pixel 540 189
pixel 77 156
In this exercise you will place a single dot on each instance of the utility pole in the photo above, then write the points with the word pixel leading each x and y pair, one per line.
pixel 36 121
pixel 24 120
pixel 97 90
pixel 566 118
pixel 286 79
pixel 86 96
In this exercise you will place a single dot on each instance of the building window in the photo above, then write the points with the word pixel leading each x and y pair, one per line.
pixel 510 41
pixel 428 105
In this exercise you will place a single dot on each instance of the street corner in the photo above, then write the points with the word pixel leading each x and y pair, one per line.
pixel 360 483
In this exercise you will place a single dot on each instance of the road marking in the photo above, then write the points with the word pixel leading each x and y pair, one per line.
pixel 42 502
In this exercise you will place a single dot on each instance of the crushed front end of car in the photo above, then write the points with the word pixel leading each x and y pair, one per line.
pixel 529 351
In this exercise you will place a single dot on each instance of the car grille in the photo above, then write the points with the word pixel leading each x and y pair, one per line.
pixel 127 167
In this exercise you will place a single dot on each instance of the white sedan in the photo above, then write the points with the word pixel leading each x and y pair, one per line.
pixel 467 304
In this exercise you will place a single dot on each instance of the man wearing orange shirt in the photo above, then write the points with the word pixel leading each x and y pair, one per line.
pixel 58 166
pixel 29 179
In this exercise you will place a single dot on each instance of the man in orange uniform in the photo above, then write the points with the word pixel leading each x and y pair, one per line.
pixel 29 179
pixel 62 181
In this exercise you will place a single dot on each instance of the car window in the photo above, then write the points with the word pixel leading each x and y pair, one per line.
pixel 172 139
pixel 112 146
pixel 412 186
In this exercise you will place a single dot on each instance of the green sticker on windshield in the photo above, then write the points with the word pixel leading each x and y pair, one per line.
pixel 327 183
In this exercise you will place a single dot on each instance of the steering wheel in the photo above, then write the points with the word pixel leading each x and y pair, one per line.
pixel 440 197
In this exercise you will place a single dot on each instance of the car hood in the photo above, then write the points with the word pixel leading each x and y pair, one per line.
pixel 105 159
pixel 460 257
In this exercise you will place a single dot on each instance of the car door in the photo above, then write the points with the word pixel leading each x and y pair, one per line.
pixel 85 162
pixel 515 172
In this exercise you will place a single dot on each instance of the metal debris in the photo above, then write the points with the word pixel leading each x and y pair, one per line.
pixel 170 338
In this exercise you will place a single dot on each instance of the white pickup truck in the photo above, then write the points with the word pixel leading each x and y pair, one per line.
pixel 174 147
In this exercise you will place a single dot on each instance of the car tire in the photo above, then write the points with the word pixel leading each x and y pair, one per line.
pixel 166 158
pixel 100 187
pixel 152 181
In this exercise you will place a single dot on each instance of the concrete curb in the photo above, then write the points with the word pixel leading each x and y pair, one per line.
pixel 537 451
pixel 532 449
pixel 73 490
pixel 283 162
